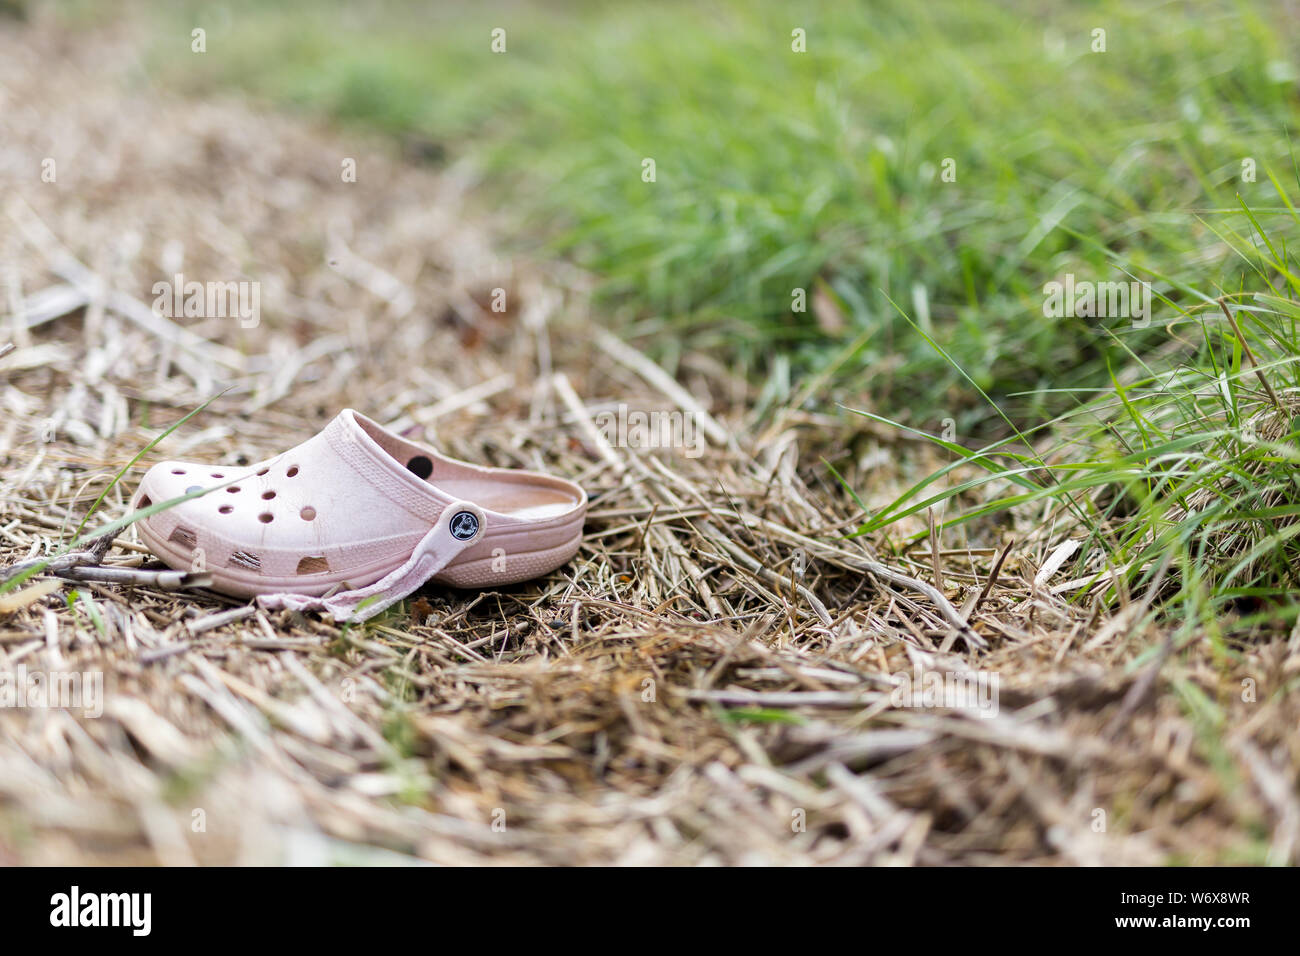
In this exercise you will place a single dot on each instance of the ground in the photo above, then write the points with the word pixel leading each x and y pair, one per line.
pixel 715 677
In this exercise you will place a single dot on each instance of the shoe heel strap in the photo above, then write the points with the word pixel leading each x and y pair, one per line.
pixel 460 525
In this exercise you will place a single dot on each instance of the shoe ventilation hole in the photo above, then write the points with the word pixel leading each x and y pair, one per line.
pixel 146 501
pixel 232 489
pixel 308 513
pixel 293 471
pixel 226 509
pixel 266 517
pixel 245 559
pixel 420 466
pixel 178 471
pixel 268 495
pixel 184 536
pixel 217 475
pixel 263 472
pixel 316 565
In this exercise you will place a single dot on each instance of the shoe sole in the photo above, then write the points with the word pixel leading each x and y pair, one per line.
pixel 483 572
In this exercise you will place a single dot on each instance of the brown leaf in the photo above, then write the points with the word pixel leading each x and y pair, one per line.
pixel 420 609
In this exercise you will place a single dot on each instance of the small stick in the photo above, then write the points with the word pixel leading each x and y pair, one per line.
pixel 91 556
pixel 213 621
pixel 63 562
pixel 1223 304
pixel 993 578
pixel 640 541
pixel 167 580
pixel 934 550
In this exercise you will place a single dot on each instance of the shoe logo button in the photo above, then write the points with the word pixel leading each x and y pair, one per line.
pixel 464 525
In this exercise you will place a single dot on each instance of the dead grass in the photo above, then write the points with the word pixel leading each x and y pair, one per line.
pixel 679 694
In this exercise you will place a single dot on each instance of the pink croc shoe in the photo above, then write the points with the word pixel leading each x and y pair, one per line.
pixel 355 519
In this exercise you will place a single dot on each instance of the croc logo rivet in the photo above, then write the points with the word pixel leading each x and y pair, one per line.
pixel 464 525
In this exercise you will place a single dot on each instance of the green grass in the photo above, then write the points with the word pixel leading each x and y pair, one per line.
pixel 779 170
pixel 1181 477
